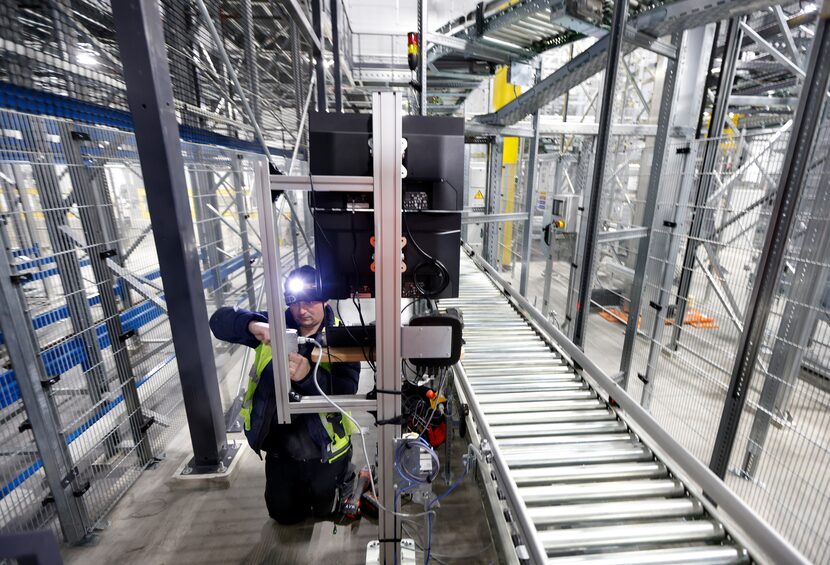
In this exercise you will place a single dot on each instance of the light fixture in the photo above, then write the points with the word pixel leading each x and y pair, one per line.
pixel 296 285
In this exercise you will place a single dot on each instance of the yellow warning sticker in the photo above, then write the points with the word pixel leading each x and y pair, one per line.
pixel 479 195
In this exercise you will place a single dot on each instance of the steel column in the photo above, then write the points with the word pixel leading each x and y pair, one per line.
pixel 583 304
pixel 242 217
pixel 493 195
pixel 98 249
pixel 770 265
pixel 680 89
pixel 574 276
pixel 150 96
pixel 251 56
pixel 423 31
pixel 530 195
pixel 31 378
pixel 652 197
pixel 297 77
pixel 702 219
pixel 335 51
pixel 386 132
pixel 798 322
pixel 66 259
pixel 319 59
pixel 557 176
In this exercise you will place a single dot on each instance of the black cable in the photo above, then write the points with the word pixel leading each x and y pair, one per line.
pixel 430 260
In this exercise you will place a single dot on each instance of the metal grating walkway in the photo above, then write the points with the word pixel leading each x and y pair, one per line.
pixel 594 492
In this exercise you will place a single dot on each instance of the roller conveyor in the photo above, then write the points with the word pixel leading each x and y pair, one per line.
pixel 594 492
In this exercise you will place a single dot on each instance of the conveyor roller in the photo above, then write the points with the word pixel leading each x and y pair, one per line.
pixel 591 488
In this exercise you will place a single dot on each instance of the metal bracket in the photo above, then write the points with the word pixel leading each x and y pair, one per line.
pixel 126 335
pixel 80 492
pixel 67 480
pixel 21 278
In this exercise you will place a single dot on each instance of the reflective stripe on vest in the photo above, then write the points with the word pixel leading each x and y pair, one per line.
pixel 338 427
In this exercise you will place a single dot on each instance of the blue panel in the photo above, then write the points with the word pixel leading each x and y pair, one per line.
pixel 43 103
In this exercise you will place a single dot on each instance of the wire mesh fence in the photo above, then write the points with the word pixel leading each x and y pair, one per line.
pixel 782 450
pixel 69 50
pixel 78 232
pixel 681 368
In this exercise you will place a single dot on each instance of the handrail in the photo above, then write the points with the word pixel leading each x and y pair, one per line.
pixel 761 540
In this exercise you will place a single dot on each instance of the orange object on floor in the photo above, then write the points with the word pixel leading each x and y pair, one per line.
pixel 616 315
pixel 696 319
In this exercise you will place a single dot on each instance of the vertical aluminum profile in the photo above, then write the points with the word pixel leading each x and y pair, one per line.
pixel 386 138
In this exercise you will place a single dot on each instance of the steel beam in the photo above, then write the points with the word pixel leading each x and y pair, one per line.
pixel 702 219
pixel 150 97
pixel 242 217
pixel 772 51
pixel 500 55
pixel 583 297
pixel 530 195
pixel 319 59
pixel 493 197
pixel 801 151
pixel 334 8
pixel 798 321
pixel 297 13
pixel 763 101
pixel 423 27
pixel 249 47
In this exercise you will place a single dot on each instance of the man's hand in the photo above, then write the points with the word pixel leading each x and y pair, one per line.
pixel 298 367
pixel 261 331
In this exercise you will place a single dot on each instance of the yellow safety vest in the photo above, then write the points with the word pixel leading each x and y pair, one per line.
pixel 338 445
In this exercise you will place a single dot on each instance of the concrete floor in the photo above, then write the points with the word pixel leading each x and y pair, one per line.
pixel 157 523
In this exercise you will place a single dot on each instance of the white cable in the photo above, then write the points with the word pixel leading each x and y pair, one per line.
pixel 313 341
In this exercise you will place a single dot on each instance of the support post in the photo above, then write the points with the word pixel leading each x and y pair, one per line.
pixel 251 56
pixel 798 322
pixel 681 93
pixel 31 378
pixel 530 195
pixel 66 259
pixel 559 166
pixel 386 132
pixel 586 275
pixel 801 151
pixel 423 31
pixel 702 214
pixel 335 52
pixel 319 59
pixel 150 96
pixel 98 250
pixel 493 195
pixel 242 217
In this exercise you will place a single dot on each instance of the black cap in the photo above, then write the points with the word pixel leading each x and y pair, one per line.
pixel 302 285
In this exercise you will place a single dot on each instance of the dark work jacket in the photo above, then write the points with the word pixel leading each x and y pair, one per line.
pixel 305 437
